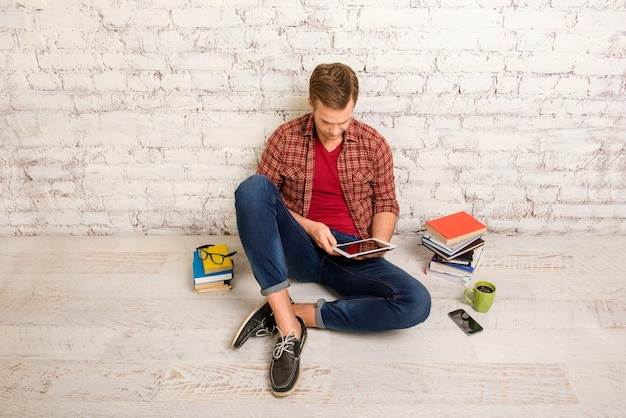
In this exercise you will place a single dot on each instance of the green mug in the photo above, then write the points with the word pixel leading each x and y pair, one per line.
pixel 482 296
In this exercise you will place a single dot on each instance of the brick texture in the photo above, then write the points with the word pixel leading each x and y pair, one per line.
pixel 126 117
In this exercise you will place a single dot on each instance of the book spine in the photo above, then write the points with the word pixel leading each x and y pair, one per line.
pixel 213 278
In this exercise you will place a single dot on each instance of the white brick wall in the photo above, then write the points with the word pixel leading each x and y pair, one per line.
pixel 121 117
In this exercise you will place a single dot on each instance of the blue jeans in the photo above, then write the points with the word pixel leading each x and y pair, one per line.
pixel 375 295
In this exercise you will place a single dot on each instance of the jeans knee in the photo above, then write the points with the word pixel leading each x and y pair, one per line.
pixel 251 193
pixel 417 306
pixel 251 185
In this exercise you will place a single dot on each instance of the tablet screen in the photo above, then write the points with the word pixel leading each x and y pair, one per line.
pixel 352 249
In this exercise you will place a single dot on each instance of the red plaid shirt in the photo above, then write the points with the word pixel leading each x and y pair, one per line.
pixel 365 168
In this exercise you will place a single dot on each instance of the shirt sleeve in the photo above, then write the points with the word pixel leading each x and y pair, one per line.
pixel 270 165
pixel 384 182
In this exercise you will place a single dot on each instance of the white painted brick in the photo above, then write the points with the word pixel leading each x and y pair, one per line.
pixel 77 82
pixel 584 211
pixel 599 66
pixel 6 41
pixel 172 100
pixel 331 18
pixel 438 84
pixel 122 114
pixel 534 41
pixel 603 21
pixel 259 16
pixel 144 81
pixel 181 81
pixel 32 40
pixel 247 102
pixel 384 104
pixel 42 101
pixel 147 61
pixel 537 86
pixel 110 81
pixel 372 17
pixel 604 86
pixel 471 63
pixel 416 194
pixel 450 194
pixel 54 4
pixel 409 84
pixel 274 82
pixel 209 82
pixel 250 82
pixel 16 19
pixel 206 17
pixel 567 4
pixel 448 40
pixel 466 18
pixel 220 39
pixel 542 63
pixel 538 19
pixel 200 62
pixel 233 131
pixel 476 84
pixel 290 16
pixel 44 81
pixel 175 40
pixel 572 87
pixel 497 41
pixel 355 40
pixel 400 63
pixel 77 19
pixel 575 42
pixel 310 40
pixel 63 61
pixel 18 62
pixel 96 218
pixel 135 17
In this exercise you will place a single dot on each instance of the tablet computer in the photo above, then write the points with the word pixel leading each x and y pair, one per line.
pixel 353 249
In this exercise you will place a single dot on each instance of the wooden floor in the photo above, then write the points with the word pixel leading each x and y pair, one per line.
pixel 110 327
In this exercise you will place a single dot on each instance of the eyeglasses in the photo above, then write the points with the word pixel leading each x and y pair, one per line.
pixel 216 258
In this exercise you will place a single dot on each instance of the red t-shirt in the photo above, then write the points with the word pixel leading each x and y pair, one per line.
pixel 327 202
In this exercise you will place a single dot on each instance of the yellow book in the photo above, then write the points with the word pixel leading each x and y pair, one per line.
pixel 212 267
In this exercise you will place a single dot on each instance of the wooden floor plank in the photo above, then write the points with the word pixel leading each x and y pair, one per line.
pixel 110 326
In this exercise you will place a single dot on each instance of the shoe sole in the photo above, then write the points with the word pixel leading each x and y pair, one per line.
pixel 243 324
pixel 295 386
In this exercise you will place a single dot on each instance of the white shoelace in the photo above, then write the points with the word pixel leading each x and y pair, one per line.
pixel 285 345
pixel 264 332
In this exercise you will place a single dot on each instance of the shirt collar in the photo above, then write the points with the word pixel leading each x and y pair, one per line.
pixel 349 135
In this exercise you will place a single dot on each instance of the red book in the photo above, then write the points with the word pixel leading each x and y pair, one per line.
pixel 455 228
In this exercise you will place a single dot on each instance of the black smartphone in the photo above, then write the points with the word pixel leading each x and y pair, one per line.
pixel 465 322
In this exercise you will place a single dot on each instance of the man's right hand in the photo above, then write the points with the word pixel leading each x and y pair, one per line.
pixel 319 232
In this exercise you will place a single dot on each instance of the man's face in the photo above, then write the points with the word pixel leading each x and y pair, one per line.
pixel 330 124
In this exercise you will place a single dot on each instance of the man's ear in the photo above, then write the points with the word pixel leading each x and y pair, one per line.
pixel 310 104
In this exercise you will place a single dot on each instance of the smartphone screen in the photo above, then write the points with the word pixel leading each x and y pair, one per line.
pixel 465 322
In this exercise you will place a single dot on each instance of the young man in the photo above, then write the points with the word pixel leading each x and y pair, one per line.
pixel 324 178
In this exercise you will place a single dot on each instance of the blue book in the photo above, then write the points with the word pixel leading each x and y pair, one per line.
pixel 199 276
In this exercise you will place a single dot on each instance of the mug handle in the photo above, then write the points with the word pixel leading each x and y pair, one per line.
pixel 468 299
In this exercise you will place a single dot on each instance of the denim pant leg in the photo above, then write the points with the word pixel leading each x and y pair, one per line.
pixel 275 244
pixel 375 295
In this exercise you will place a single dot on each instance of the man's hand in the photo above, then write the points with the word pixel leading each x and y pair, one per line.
pixel 319 232
pixel 322 236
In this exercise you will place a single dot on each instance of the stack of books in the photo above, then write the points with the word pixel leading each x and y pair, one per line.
pixel 457 246
pixel 212 269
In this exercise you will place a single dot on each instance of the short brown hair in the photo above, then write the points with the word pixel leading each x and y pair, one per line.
pixel 334 85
